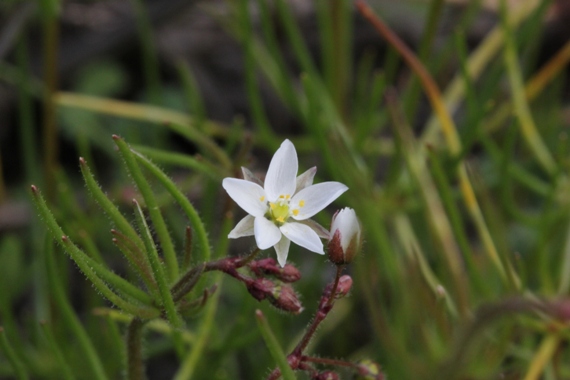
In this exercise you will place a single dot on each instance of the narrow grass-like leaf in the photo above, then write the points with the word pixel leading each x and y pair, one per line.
pixel 95 272
pixel 191 361
pixel 157 325
pixel 545 353
pixel 183 160
pixel 167 301
pixel 450 133
pixel 192 91
pixel 274 347
pixel 457 224
pixel 188 208
pixel 135 363
pixel 274 65
pixel 434 208
pixel 55 349
pixel 136 257
pixel 255 100
pixel 478 60
pixel 149 57
pixel 158 271
pixel 19 369
pixel 187 248
pixel 166 243
pixel 412 246
pixel 69 316
pixel 108 207
pixel 522 110
pixel 175 121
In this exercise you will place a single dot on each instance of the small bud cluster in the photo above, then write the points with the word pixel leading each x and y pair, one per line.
pixel 279 293
pixel 269 266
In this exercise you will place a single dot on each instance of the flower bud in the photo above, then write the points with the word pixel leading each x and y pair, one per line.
pixel 261 288
pixel 269 266
pixel 369 370
pixel 284 298
pixel 327 375
pixel 346 237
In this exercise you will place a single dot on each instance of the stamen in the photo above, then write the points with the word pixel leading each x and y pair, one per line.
pixel 287 196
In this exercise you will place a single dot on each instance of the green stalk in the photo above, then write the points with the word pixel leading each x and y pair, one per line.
pixel 274 347
pixel 149 58
pixel 177 122
pixel 158 325
pixel 189 363
pixel 50 46
pixel 157 269
pixel 183 160
pixel 154 211
pixel 161 279
pixel 69 316
pixel 255 101
pixel 521 107
pixel 55 349
pixel 108 207
pixel 19 369
pixel 135 363
pixel 434 207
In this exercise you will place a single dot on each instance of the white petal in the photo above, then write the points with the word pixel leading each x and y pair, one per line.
pixel 305 179
pixel 304 236
pixel 267 234
pixel 282 172
pixel 320 230
pixel 243 228
pixel 347 223
pixel 282 249
pixel 249 176
pixel 315 198
pixel 248 195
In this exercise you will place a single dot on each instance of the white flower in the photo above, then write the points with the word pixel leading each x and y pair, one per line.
pixel 346 237
pixel 279 211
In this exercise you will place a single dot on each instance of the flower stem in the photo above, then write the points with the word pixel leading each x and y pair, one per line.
pixel 135 364
pixel 321 314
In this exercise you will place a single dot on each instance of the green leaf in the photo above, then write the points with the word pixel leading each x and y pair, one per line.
pixel 188 208
pixel 166 243
pixel 274 347
pixel 95 272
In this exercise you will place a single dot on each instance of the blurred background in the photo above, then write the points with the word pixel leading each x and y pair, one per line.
pixel 457 214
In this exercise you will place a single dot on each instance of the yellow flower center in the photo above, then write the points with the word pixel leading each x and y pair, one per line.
pixel 279 211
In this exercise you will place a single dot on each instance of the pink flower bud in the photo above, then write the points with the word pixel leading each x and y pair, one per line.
pixel 261 288
pixel 344 285
pixel 268 266
pixel 285 298
pixel 327 375
pixel 346 237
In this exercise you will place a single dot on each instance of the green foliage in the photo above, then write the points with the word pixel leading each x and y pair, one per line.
pixel 465 270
